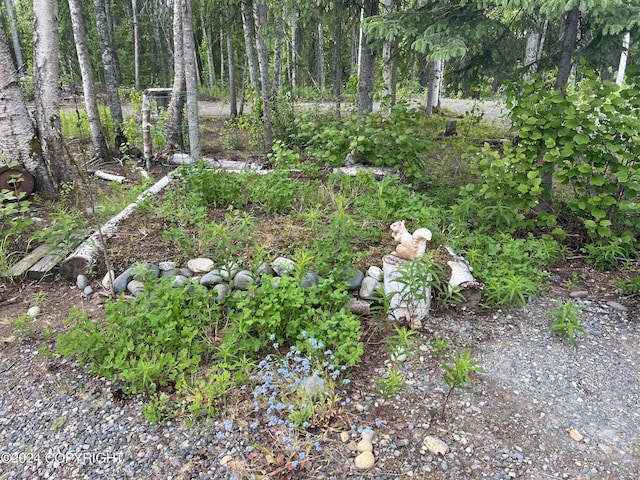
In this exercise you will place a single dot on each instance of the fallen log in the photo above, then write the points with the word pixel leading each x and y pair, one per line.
pixel 80 261
pixel 109 176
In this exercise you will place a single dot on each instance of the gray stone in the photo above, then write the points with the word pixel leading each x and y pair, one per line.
pixel 200 265
pixel 143 271
pixel 354 279
pixel 359 307
pixel 265 269
pixel 87 290
pixel 185 272
pixel 369 288
pixel 283 266
pixel 34 311
pixel 243 279
pixel 309 279
pixel 180 281
pixel 375 273
pixel 221 290
pixel 168 273
pixel 82 282
pixel 107 280
pixel 617 306
pixel 579 294
pixel 167 266
pixel 136 288
pixel 122 280
pixel 212 278
pixel 229 271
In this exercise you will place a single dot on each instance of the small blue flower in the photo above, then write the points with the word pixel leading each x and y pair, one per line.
pixel 302 455
pixel 253 425
pixel 276 345
pixel 294 464
pixel 249 448
pixel 228 425
pixel 378 422
pixel 220 435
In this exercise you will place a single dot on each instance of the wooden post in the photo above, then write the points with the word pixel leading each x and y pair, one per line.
pixel 146 128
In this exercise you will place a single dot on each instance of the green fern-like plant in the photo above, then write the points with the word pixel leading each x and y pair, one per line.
pixel 567 321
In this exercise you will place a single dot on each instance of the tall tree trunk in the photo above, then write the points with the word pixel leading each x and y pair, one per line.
pixel 249 31
pixel 569 39
pixel 433 91
pixel 222 49
pixel 174 140
pixel 191 80
pixel 367 64
pixel 17 49
pixel 320 49
pixel 535 43
pixel 387 74
pixel 623 58
pixel 277 59
pixel 47 87
pixel 337 50
pixel 18 139
pixel 136 45
pixel 263 60
pixel 100 148
pixel 206 32
pixel 111 74
pixel 295 13
pixel 233 95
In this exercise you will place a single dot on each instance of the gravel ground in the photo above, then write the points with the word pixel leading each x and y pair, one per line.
pixel 540 409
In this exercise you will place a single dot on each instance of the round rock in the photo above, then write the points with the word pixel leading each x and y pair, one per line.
pixel 283 266
pixel 34 311
pixel 212 278
pixel 82 282
pixel 200 265
pixel 243 279
pixel 135 287
pixel 354 279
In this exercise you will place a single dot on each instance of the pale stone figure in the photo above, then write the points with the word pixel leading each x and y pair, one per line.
pixel 410 246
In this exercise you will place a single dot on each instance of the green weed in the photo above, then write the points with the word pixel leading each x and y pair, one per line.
pixel 567 321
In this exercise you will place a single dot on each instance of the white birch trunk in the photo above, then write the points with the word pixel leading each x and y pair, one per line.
pixel 17 49
pixel 191 80
pixel 435 79
pixel 136 45
pixel 18 140
pixel 47 87
pixel 623 58
pixel 249 32
pixel 100 149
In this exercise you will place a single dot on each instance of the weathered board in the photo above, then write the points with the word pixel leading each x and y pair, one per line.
pixel 20 268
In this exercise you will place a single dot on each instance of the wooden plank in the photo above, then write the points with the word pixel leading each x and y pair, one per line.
pixel 46 265
pixel 21 267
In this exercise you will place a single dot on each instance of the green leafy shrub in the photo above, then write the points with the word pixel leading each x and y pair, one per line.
pixel 146 341
pixel 287 314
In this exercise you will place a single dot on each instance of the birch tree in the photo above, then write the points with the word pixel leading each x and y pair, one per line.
pixel 100 150
pixel 174 140
pixel 18 139
pixel 367 67
pixel 111 74
pixel 191 80
pixel 263 60
pixel 47 87
pixel 249 31
pixel 17 49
